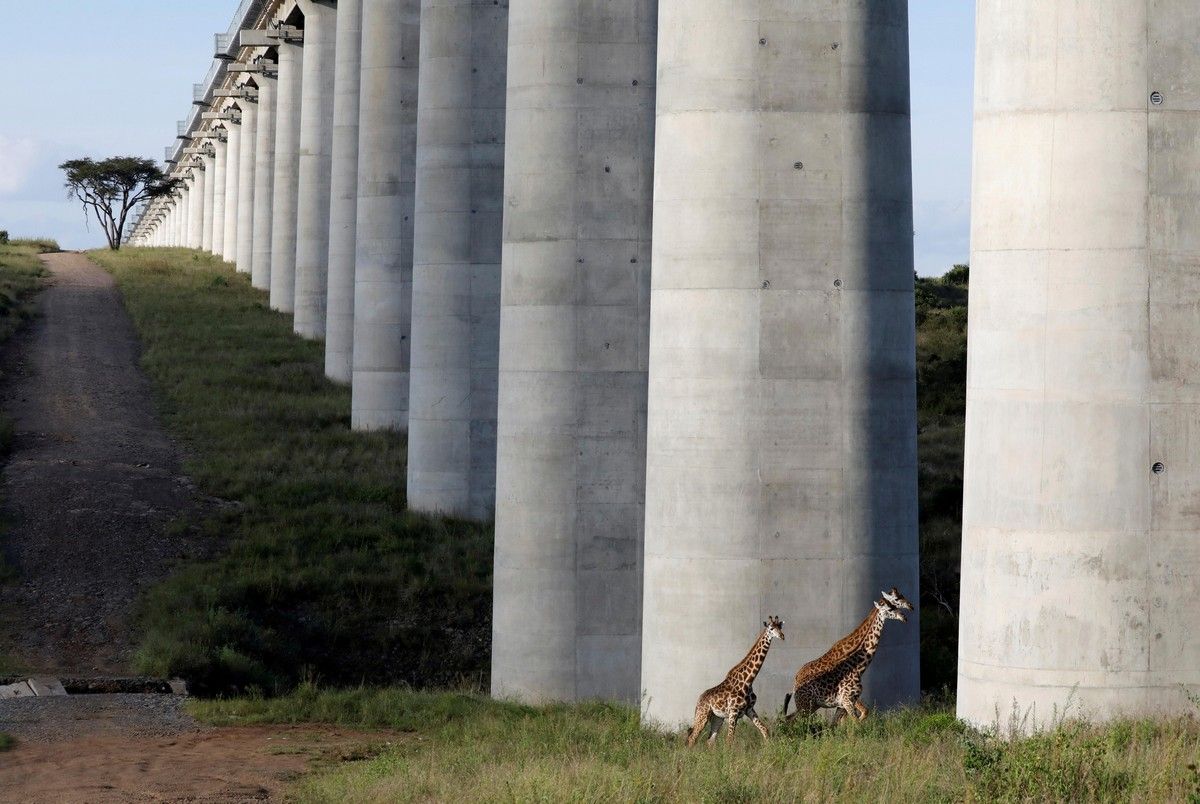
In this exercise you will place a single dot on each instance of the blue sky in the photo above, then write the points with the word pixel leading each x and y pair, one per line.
pixel 107 78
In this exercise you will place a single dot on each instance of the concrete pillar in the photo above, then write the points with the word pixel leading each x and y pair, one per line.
pixel 579 151
pixel 196 208
pixel 209 173
pixel 316 144
pixel 233 161
pixel 244 252
pixel 287 159
pixel 456 258
pixel 781 466
pixel 220 168
pixel 383 259
pixel 264 183
pixel 189 210
pixel 1080 562
pixel 343 209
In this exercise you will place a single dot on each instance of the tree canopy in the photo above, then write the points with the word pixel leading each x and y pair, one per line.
pixel 112 187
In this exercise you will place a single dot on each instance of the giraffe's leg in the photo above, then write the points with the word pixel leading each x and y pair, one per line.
pixel 758 724
pixel 730 724
pixel 786 699
pixel 714 729
pixel 862 710
pixel 698 723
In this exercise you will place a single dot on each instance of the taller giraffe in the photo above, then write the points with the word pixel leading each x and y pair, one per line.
pixel 734 697
pixel 835 679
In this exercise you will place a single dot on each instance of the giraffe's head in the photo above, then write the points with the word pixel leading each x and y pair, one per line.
pixel 889 612
pixel 897 600
pixel 774 627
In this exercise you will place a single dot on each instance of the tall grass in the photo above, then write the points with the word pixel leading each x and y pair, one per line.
pixel 461 747
pixel 322 572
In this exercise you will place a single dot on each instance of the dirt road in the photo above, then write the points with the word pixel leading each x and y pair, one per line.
pixel 86 496
pixel 91 483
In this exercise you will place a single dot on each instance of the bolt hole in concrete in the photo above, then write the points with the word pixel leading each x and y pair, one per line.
pixel 1158 468
pixel 1156 98
pixel 837 283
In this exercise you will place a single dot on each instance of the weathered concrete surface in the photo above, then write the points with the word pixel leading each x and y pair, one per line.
pixel 579 151
pixel 233 162
pixel 264 183
pixel 383 259
pixel 288 101
pixel 220 168
pixel 316 146
pixel 781 471
pixel 206 203
pixel 456 258
pixel 1080 564
pixel 343 202
pixel 195 215
pixel 244 252
pixel 91 484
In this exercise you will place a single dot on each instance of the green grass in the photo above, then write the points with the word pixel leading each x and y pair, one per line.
pixel 39 245
pixel 21 276
pixel 7 742
pixel 464 747
pixel 322 572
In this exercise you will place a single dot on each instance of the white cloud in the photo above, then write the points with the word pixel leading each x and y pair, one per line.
pixel 18 158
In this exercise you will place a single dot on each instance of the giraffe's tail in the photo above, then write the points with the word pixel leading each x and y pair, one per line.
pixel 786 700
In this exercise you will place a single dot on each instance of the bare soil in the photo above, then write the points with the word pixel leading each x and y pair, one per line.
pixel 217 765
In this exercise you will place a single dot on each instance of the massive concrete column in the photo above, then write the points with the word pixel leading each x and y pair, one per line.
pixel 316 144
pixel 781 467
pixel 220 168
pixel 244 252
pixel 264 183
pixel 206 207
pixel 1080 561
pixel 343 209
pixel 383 260
pixel 287 158
pixel 194 215
pixel 233 161
pixel 456 258
pixel 579 152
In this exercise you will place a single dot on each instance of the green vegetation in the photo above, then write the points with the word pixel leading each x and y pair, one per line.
pixel 459 747
pixel 7 742
pixel 21 274
pixel 321 573
pixel 941 405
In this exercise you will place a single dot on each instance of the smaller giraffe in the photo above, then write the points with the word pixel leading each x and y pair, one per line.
pixel 835 679
pixel 734 697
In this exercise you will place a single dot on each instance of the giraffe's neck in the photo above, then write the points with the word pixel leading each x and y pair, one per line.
pixel 747 669
pixel 873 633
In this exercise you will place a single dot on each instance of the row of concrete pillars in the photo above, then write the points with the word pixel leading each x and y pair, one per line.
pixel 637 280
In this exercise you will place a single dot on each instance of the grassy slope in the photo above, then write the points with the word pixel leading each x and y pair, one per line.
pixel 469 748
pixel 326 574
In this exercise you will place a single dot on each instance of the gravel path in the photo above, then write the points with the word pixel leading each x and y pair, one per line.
pixel 91 484
pixel 71 717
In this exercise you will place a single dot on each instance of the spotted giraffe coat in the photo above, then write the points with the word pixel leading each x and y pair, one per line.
pixel 734 697
pixel 835 679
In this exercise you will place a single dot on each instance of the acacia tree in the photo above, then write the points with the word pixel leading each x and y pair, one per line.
pixel 112 187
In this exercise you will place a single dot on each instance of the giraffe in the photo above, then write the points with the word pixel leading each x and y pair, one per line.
pixel 734 697
pixel 835 679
